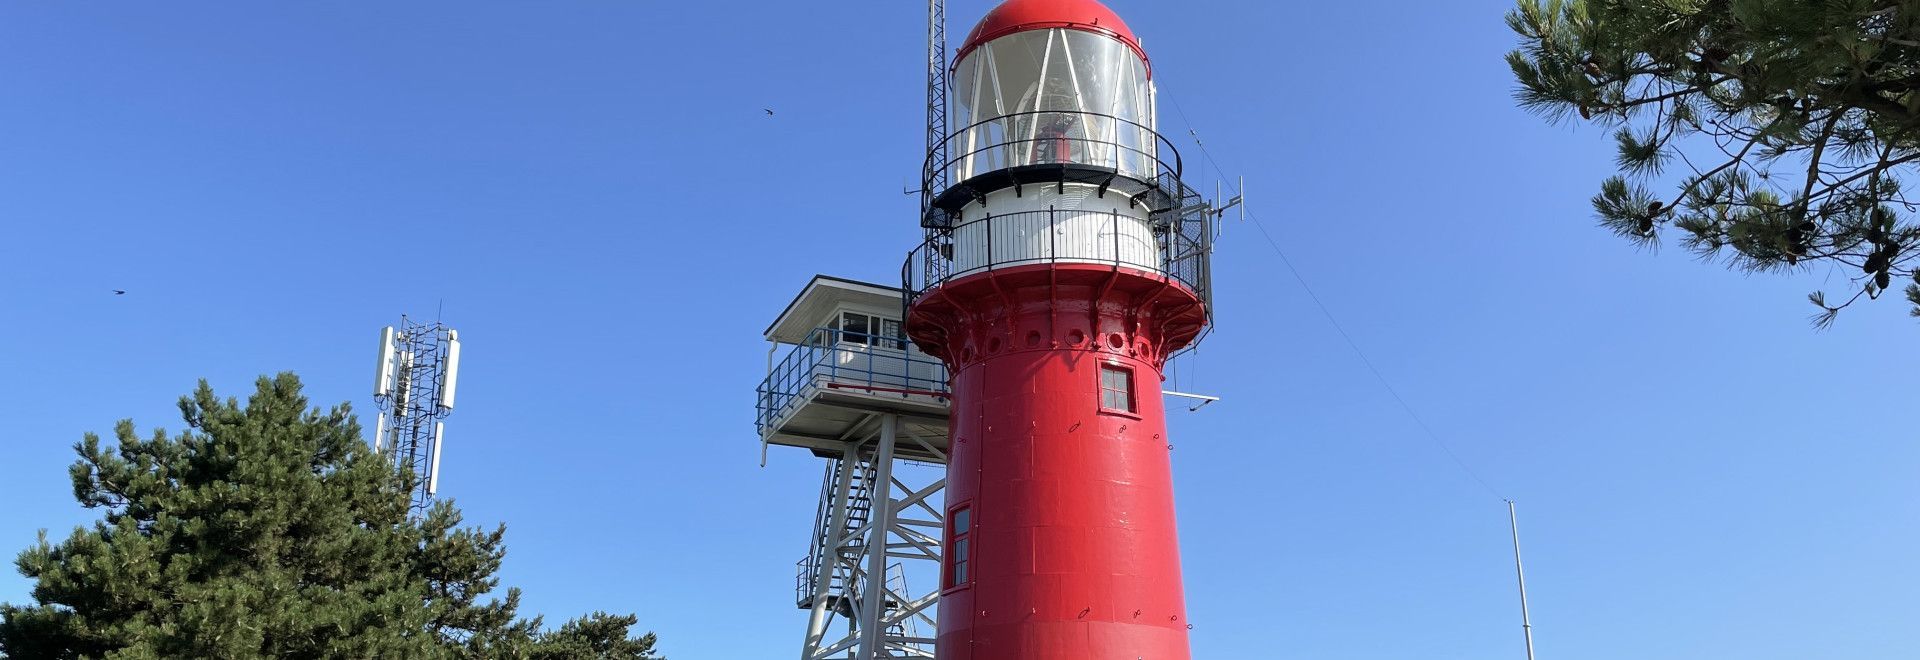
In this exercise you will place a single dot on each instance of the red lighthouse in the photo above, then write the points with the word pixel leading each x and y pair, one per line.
pixel 1066 261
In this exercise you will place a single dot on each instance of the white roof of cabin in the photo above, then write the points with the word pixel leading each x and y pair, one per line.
pixel 823 295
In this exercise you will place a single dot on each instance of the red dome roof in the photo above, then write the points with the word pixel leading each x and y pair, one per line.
pixel 1023 15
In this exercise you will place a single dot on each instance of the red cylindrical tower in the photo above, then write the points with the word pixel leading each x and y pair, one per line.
pixel 1065 263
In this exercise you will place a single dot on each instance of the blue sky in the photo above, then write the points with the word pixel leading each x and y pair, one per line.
pixel 595 195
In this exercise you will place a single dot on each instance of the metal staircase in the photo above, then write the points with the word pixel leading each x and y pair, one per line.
pixel 903 627
pixel 821 556
pixel 843 543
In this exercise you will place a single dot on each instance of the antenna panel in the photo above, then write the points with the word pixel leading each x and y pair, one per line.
pixel 379 431
pixel 383 380
pixel 452 370
pixel 433 473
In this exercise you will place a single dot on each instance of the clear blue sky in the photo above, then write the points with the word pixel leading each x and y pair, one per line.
pixel 611 220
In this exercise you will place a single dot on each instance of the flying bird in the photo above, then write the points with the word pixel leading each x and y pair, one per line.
pixel 119 292
pixel 769 111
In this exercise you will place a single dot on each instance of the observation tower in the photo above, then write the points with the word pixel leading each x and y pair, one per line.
pixel 1065 262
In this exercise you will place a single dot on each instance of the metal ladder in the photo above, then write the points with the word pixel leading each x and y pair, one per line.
pixel 820 556
pixel 903 629
pixel 897 583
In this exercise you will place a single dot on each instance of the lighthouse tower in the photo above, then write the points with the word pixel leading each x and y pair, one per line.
pixel 1065 262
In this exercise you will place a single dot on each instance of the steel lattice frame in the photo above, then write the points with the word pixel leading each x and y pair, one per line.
pixel 905 522
pixel 934 177
pixel 410 410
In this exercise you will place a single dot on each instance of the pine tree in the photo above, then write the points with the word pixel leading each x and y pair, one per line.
pixel 273 531
pixel 1788 123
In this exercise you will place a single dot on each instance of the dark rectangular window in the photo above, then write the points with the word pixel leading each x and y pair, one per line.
pixel 1116 388
pixel 960 564
pixel 857 328
pixel 960 545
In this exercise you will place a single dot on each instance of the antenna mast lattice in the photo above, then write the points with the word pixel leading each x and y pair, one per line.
pixel 413 388
pixel 935 177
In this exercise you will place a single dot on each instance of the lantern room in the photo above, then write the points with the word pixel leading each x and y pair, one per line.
pixel 1052 155
pixel 1051 83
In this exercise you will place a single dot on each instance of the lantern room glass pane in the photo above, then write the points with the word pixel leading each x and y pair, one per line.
pixel 1051 96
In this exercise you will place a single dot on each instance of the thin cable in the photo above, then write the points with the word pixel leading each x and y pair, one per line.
pixel 1384 383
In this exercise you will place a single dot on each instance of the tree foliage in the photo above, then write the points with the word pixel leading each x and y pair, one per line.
pixel 1786 123
pixel 273 531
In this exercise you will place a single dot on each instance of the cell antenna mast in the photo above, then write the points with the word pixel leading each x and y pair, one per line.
pixel 418 366
pixel 934 174
pixel 1526 624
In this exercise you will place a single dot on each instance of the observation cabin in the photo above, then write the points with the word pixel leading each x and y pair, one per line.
pixel 839 360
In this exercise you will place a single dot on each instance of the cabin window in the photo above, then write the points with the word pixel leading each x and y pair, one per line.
pixel 1116 388
pixel 893 334
pixel 870 330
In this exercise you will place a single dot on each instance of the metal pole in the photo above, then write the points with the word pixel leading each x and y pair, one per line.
pixel 989 221
pixel 873 598
pixel 1526 623
pixel 1053 229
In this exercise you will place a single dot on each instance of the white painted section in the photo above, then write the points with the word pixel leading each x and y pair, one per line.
pixel 452 366
pixel 925 370
pixel 383 380
pixel 1083 227
pixel 889 367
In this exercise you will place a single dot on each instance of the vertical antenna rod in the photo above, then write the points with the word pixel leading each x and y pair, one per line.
pixel 1526 624
pixel 934 177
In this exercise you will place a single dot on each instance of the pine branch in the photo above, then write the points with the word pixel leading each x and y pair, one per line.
pixel 1830 89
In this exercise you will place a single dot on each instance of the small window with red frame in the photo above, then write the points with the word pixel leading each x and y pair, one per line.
pixel 960 545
